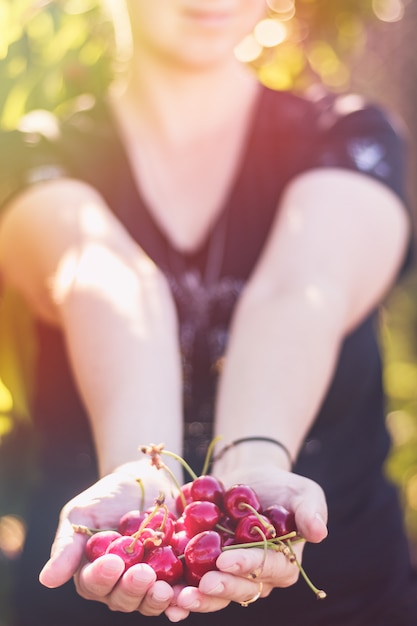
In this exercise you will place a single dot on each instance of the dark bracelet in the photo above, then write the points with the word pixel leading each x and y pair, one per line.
pixel 236 442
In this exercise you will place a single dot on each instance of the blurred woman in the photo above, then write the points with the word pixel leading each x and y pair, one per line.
pixel 205 256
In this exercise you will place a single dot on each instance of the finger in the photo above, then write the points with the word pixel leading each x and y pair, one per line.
pixel 310 522
pixel 193 600
pixel 311 515
pixel 232 588
pixel 176 613
pixel 66 555
pixel 157 599
pixel 132 587
pixel 272 568
pixel 96 580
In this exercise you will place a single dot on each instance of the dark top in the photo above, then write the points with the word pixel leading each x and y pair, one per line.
pixel 364 564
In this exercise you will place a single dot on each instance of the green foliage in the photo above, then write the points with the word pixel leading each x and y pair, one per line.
pixel 50 53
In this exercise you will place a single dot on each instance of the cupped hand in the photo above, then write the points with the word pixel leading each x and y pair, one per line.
pixel 101 507
pixel 245 574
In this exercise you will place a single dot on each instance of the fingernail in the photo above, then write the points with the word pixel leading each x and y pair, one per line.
pixel 319 517
pixel 216 590
pixel 233 568
pixel 193 606
pixel 109 569
pixel 161 596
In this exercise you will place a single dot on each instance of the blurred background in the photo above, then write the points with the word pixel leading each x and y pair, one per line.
pixel 56 52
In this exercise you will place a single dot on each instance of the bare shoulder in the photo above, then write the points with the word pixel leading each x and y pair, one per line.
pixel 39 225
pixel 338 231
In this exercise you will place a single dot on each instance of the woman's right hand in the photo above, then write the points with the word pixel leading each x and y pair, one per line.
pixel 101 506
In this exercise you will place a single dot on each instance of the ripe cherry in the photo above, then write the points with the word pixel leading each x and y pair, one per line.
pixel 98 543
pixel 186 493
pixel 165 564
pixel 237 497
pixel 208 488
pixel 179 541
pixel 129 549
pixel 130 522
pixel 254 528
pixel 201 554
pixel 162 521
pixel 281 518
pixel 200 515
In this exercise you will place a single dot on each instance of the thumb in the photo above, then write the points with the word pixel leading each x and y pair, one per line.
pixel 311 516
pixel 66 554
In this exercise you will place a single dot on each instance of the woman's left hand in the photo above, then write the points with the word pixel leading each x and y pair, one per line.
pixel 246 574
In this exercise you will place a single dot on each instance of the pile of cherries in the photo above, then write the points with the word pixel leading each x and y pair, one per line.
pixel 181 547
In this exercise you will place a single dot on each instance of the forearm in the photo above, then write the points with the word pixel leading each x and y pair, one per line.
pixel 121 333
pixel 79 268
pixel 279 363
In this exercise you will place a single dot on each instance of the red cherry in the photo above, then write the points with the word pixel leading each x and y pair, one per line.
pixel 236 498
pixel 179 541
pixel 129 549
pixel 200 515
pixel 162 521
pixel 281 518
pixel 208 488
pixel 98 543
pixel 248 527
pixel 186 492
pixel 129 522
pixel 165 564
pixel 201 553
pixel 151 538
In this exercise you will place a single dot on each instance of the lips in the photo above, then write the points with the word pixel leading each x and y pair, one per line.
pixel 209 14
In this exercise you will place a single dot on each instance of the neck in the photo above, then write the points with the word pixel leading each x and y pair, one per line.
pixel 179 104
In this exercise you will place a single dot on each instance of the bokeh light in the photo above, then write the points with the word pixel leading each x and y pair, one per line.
pixel 389 10
pixel 12 536
pixel 270 32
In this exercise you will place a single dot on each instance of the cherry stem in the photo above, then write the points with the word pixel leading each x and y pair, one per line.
pixel 85 530
pixel 176 483
pixel 272 543
pixel 209 454
pixel 320 594
pixel 265 546
pixel 224 529
pixel 182 461
pixel 142 491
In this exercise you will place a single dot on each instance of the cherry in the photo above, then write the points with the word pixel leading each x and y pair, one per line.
pixel 98 543
pixel 236 499
pixel 208 488
pixel 281 518
pixel 162 521
pixel 130 549
pixel 254 528
pixel 186 493
pixel 200 515
pixel 179 541
pixel 201 554
pixel 165 564
pixel 151 538
pixel 129 522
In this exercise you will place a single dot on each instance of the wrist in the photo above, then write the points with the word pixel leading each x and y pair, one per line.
pixel 253 451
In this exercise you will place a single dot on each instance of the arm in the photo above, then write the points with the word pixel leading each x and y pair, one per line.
pixel 78 268
pixel 334 251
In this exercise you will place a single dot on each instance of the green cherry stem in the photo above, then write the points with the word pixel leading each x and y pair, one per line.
pixel 142 494
pixel 182 461
pixel 320 594
pixel 209 454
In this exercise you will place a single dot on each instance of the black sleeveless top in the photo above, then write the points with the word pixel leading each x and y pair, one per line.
pixel 363 564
